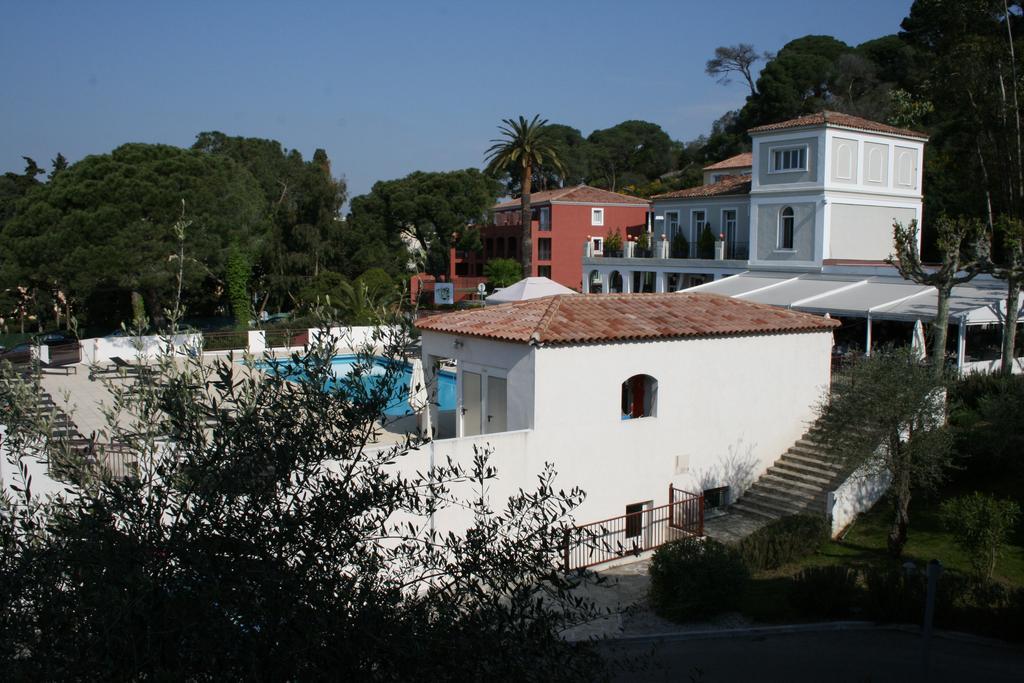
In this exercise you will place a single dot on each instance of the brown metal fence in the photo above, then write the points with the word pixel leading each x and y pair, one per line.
pixel 633 533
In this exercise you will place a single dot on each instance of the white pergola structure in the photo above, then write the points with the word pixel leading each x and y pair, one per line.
pixel 872 297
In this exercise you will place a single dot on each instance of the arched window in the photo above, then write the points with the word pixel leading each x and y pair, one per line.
pixel 786 219
pixel 595 282
pixel 615 282
pixel 639 397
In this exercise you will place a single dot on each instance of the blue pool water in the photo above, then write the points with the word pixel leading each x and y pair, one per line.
pixel 341 366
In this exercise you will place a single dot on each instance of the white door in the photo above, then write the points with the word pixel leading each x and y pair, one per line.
pixel 497 411
pixel 472 401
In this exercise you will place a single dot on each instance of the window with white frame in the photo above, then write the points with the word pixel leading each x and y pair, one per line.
pixel 671 223
pixel 597 216
pixel 598 243
pixel 789 158
pixel 698 221
pixel 729 224
pixel 787 219
pixel 545 218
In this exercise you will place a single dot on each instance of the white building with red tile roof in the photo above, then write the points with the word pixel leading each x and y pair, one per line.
pixel 626 395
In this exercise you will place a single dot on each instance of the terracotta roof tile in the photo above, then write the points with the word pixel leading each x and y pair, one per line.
pixel 581 193
pixel 739 161
pixel 593 318
pixel 737 184
pixel 838 120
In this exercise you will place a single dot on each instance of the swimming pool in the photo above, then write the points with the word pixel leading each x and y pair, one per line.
pixel 341 366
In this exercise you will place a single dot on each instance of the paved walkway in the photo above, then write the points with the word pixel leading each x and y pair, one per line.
pixel 623 595
pixel 85 399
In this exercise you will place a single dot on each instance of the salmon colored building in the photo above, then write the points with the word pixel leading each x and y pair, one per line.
pixel 564 220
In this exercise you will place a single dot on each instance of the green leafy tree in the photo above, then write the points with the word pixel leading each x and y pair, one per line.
pixel 981 525
pixel 886 415
pixel 964 247
pixel 263 535
pixel 502 272
pixel 630 152
pixel 303 205
pixel 799 80
pixel 239 270
pixel 523 146
pixel 1011 269
pixel 431 210
pixel 102 230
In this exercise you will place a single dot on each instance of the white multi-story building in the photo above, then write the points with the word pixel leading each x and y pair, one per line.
pixel 816 191
pixel 809 226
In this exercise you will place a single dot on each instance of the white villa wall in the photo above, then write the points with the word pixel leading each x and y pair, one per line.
pixel 515 362
pixel 861 231
pixel 857 494
pixel 102 349
pixel 726 409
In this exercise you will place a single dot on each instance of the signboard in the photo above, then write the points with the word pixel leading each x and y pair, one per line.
pixel 481 289
pixel 444 293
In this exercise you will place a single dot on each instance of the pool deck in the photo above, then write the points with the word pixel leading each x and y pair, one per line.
pixel 85 399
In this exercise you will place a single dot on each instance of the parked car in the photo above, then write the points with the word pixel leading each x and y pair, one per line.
pixel 19 354
pixel 57 339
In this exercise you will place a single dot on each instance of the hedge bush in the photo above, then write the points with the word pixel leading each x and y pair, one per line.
pixel 831 592
pixel 784 540
pixel 694 579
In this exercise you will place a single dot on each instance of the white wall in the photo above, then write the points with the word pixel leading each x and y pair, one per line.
pixel 102 349
pixel 727 408
pixel 862 231
pixel 513 361
pixel 856 495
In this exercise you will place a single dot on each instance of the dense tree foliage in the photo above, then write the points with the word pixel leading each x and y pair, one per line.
pixel 303 203
pixel 431 210
pixel 101 230
pixel 262 537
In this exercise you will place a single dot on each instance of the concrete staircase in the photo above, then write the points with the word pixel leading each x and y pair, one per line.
pixel 798 482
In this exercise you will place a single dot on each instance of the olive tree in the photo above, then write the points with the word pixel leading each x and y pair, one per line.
pixel 264 535
pixel 886 416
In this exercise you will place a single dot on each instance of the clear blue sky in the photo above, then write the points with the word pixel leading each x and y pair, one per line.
pixel 386 88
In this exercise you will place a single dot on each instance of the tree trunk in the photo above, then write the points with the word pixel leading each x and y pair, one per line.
pixel 527 226
pixel 940 330
pixel 901 500
pixel 1010 324
pixel 138 308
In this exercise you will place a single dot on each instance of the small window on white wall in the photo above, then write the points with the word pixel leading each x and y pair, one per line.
pixel 597 216
pixel 639 397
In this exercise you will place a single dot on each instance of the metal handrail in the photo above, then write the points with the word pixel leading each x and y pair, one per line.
pixel 595 543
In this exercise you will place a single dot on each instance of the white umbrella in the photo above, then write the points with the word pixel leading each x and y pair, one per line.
pixel 419 397
pixel 917 344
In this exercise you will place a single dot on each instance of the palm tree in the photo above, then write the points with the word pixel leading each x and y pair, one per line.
pixel 523 146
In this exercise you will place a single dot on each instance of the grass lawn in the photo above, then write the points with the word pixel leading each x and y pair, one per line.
pixel 864 545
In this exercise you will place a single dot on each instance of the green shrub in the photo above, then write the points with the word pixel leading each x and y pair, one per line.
pixel 980 524
pixel 680 247
pixel 784 540
pixel 706 243
pixel 502 272
pixel 613 240
pixel 693 579
pixel 830 592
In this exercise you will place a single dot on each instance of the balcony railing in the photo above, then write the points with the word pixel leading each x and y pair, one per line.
pixel 738 251
pixel 633 533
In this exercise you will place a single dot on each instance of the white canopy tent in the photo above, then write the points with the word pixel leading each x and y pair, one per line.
pixel 874 297
pixel 527 288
